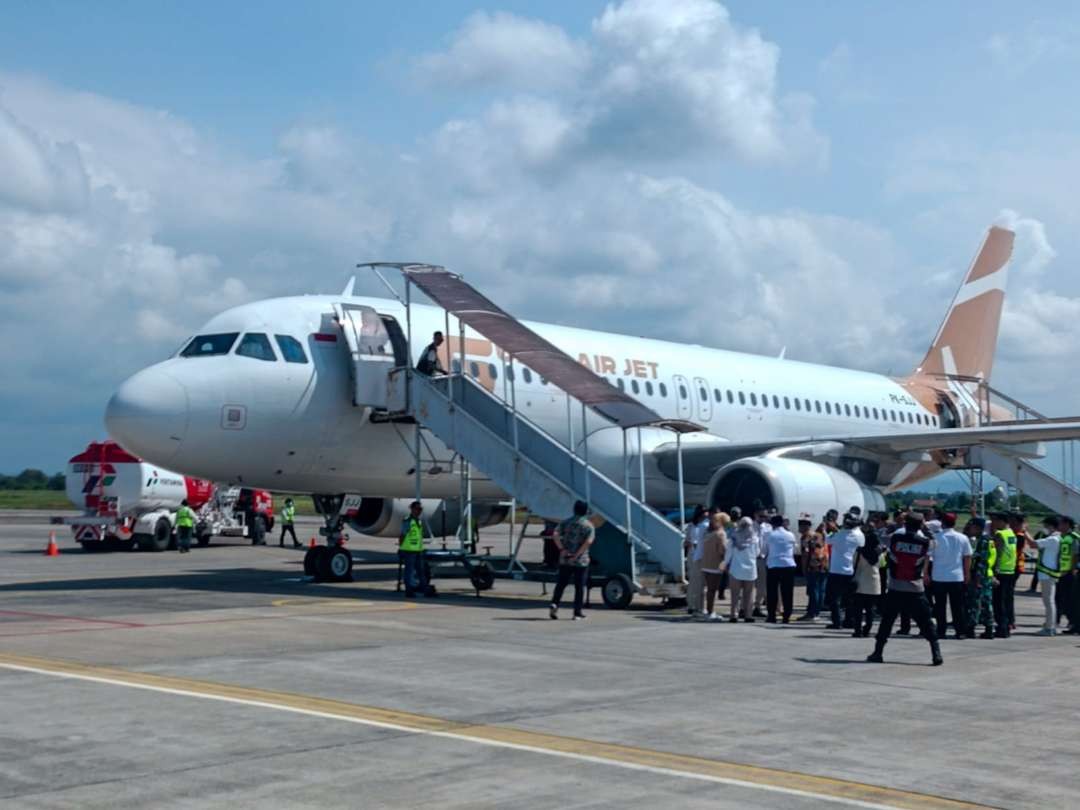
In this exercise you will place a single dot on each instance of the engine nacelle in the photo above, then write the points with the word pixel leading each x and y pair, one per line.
pixel 382 517
pixel 792 486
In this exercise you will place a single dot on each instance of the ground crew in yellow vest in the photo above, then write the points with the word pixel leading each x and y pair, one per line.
pixel 411 552
pixel 185 525
pixel 1004 569
pixel 288 517
pixel 1066 581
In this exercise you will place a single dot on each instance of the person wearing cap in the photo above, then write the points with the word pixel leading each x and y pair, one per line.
pixel 949 575
pixel 288 519
pixel 908 552
pixel 1004 568
pixel 980 589
pixel 843 544
pixel 815 567
pixel 411 551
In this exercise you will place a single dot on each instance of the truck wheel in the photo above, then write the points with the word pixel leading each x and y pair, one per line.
pixel 258 530
pixel 311 561
pixel 618 591
pixel 335 565
pixel 162 536
pixel 125 544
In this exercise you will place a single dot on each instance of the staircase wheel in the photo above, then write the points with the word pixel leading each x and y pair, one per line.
pixel 482 578
pixel 618 592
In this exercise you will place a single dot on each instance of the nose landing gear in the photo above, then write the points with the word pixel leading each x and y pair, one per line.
pixel 332 562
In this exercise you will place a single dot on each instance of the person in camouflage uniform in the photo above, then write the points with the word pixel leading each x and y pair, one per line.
pixel 980 591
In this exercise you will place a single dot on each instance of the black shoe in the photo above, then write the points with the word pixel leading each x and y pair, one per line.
pixel 857 634
pixel 757 614
pixel 771 620
pixel 875 658
pixel 832 626
pixel 410 594
pixel 1002 632
pixel 786 620
pixel 749 620
pixel 866 630
pixel 903 632
pixel 579 617
pixel 553 612
pixel 937 660
pixel 297 545
pixel 987 634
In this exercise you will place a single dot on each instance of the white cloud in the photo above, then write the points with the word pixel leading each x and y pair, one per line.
pixel 38 174
pixel 1020 50
pixel 504 50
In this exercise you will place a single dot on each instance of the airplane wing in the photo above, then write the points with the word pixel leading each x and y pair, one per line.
pixel 699 461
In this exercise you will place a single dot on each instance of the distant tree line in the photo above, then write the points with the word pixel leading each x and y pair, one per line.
pixel 960 502
pixel 32 479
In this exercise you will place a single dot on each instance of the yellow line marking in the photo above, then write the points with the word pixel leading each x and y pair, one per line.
pixel 837 791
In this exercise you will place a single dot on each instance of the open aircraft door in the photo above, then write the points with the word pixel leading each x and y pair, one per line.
pixel 371 354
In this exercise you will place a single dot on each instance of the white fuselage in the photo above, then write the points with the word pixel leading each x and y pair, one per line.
pixel 293 426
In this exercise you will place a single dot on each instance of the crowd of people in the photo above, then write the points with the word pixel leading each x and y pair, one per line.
pixel 857 569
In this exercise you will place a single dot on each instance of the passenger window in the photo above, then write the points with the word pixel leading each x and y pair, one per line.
pixel 806 405
pixel 634 386
pixel 837 407
pixel 776 401
pixel 753 398
pixel 510 373
pixel 620 383
pixel 474 370
pixel 717 395
pixel 817 405
pixel 526 375
pixel 494 372
pixel 893 415
pixel 742 398
pixel 648 388
pixel 730 397
pixel 798 405
pixel 291 349
pixel 703 394
pixel 787 404
pixel 682 391
pixel 847 410
pixel 663 389
pixel 257 345
pixel 209 345
pixel 828 408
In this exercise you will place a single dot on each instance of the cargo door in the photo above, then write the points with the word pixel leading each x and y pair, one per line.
pixel 704 404
pixel 371 353
pixel 682 396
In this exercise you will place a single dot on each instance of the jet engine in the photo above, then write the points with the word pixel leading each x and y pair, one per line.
pixel 793 486
pixel 381 517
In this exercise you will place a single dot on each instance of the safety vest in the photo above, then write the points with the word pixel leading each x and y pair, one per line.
pixel 1065 553
pixel 185 517
pixel 991 556
pixel 288 513
pixel 1007 561
pixel 414 536
pixel 1053 573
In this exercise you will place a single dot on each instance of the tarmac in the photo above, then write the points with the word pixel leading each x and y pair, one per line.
pixel 224 677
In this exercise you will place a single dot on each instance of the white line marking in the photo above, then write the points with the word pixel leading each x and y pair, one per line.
pixel 450 735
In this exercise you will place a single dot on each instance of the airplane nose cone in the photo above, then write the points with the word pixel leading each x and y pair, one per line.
pixel 148 415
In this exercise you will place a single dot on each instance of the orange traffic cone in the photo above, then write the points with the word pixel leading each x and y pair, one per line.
pixel 312 543
pixel 52 550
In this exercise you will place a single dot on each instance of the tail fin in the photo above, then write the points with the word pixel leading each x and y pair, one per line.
pixel 966 340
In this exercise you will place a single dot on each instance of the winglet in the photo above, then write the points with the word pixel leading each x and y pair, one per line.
pixel 349 287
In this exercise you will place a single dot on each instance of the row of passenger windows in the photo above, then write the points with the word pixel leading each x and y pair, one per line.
pixel 254 344
pixel 787 403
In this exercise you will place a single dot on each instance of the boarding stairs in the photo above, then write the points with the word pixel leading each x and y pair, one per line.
pixel 540 471
pixel 1012 464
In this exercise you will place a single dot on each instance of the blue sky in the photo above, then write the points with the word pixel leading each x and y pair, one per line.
pixel 824 170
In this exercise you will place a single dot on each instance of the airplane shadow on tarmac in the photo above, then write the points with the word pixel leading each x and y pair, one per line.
pixel 285 583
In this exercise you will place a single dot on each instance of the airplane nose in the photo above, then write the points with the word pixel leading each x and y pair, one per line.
pixel 148 415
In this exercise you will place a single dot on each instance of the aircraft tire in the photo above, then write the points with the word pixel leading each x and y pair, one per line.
pixel 618 592
pixel 482 578
pixel 335 565
pixel 311 561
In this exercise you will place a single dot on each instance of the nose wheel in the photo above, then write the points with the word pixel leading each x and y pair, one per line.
pixel 332 562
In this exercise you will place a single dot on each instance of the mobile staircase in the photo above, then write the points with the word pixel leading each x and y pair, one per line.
pixel 637 549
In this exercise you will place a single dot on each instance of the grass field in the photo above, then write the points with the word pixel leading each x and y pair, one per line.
pixel 33 499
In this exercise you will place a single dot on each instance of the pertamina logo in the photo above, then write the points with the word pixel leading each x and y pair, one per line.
pixel 105 478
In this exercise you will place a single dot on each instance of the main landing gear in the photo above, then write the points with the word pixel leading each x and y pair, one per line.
pixel 332 562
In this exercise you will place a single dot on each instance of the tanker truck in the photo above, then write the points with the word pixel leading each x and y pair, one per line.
pixel 129 503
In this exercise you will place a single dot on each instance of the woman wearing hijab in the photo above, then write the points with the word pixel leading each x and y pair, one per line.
pixel 713 550
pixel 867 584
pixel 740 561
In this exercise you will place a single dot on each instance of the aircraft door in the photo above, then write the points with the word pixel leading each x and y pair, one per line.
pixel 371 353
pixel 704 404
pixel 682 394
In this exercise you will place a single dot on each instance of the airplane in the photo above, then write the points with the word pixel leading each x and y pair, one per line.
pixel 262 396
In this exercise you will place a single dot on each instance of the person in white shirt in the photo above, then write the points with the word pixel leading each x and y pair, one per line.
pixel 950 553
pixel 842 546
pixel 762 527
pixel 1046 571
pixel 695 589
pixel 780 566
pixel 740 561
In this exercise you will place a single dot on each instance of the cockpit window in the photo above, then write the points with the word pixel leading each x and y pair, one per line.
pixel 291 349
pixel 257 345
pixel 207 345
